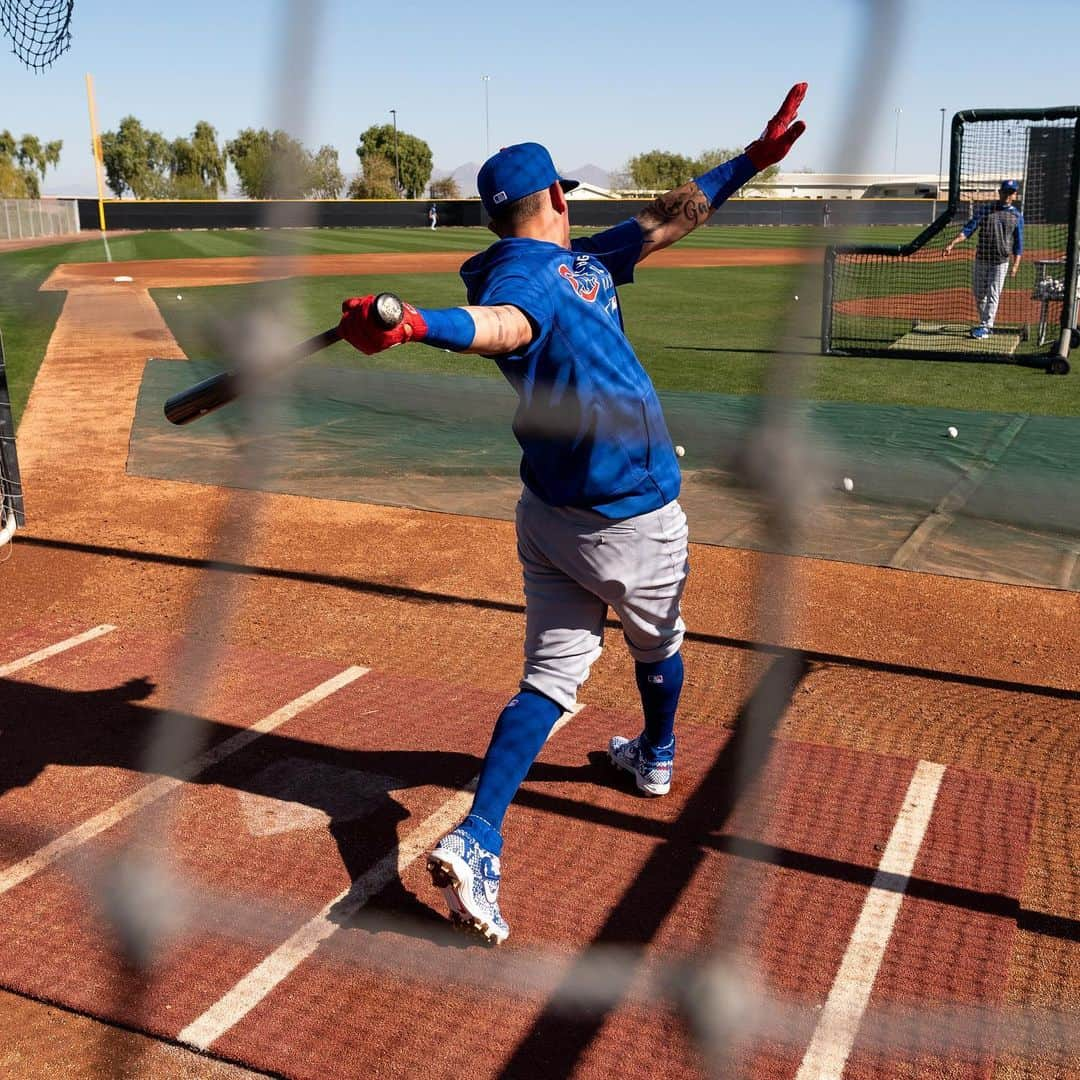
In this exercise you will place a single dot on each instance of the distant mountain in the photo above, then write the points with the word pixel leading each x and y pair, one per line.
pixel 464 176
pixel 590 174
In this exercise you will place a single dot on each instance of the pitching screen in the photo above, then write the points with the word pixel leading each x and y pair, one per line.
pixel 952 291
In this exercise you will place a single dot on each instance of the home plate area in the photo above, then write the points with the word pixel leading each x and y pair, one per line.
pixel 852 880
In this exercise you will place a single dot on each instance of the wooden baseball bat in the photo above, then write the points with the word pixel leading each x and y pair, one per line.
pixel 218 390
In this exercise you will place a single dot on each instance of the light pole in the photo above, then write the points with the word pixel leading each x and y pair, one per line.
pixel 896 140
pixel 487 118
pixel 397 163
pixel 940 157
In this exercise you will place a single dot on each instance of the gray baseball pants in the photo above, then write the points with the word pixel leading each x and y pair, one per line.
pixel 577 564
pixel 987 283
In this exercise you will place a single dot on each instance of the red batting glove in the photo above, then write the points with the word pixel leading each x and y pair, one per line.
pixel 780 133
pixel 361 329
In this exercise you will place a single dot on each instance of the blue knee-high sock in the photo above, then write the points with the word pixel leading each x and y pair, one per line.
pixel 523 726
pixel 659 684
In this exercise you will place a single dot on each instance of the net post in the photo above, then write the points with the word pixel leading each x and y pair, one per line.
pixel 11 498
pixel 827 301
pixel 1072 267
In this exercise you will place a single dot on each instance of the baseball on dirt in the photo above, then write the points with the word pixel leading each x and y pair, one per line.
pixel 953 432
pixel 680 450
pixel 849 484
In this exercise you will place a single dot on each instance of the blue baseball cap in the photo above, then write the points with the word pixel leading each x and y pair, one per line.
pixel 1010 185
pixel 516 171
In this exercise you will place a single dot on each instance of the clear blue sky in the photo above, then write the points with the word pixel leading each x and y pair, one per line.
pixel 596 82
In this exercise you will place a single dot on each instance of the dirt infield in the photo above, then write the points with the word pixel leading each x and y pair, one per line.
pixel 967 674
pixel 956 303
pixel 165 273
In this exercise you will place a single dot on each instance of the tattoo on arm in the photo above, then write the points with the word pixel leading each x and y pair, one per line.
pixel 685 205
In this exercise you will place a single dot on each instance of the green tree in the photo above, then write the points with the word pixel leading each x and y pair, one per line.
pixel 376 179
pixel 325 174
pixel 446 188
pixel 22 162
pixel 660 170
pixel 197 165
pixel 136 160
pixel 413 159
pixel 270 164
pixel 709 159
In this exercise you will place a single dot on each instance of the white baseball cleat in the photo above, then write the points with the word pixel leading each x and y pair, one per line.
pixel 469 878
pixel 652 777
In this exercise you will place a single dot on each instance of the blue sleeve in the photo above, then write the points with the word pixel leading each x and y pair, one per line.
pixel 975 222
pixel 720 183
pixel 618 248
pixel 523 293
pixel 1018 236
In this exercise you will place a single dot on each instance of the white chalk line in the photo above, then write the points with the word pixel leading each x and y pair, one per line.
pixel 52 650
pixel 150 793
pixel 834 1036
pixel 287 957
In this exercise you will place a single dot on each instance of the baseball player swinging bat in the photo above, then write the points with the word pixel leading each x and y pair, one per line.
pixel 218 390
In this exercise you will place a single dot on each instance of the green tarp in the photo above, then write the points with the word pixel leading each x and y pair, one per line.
pixel 998 501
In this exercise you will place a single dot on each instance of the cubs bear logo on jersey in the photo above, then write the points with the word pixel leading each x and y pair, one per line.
pixel 584 280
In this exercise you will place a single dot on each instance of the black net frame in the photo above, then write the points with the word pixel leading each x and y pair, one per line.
pixel 40 30
pixel 11 497
pixel 872 304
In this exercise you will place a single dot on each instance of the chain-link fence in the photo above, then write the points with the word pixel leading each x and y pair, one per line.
pixel 25 219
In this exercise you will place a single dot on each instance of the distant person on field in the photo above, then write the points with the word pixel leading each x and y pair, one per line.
pixel 1001 235
pixel 433 215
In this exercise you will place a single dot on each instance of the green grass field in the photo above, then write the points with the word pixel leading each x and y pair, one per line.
pixel 711 329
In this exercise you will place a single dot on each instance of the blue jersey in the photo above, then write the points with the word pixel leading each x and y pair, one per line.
pixel 589 423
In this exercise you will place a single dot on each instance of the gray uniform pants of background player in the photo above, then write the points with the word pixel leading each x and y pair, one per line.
pixel 987 282
pixel 576 564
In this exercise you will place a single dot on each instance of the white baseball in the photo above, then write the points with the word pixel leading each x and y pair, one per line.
pixel 179 297
pixel 953 433
pixel 849 484
pixel 796 297
pixel 680 450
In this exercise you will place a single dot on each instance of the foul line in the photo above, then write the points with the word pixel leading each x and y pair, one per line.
pixel 150 793
pixel 52 650
pixel 278 965
pixel 838 1024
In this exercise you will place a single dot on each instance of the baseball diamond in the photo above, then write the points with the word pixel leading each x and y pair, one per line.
pixel 401 561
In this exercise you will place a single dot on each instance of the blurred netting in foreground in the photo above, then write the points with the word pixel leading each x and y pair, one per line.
pixel 914 300
pixel 40 30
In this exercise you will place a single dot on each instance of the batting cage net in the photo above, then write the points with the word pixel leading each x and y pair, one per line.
pixel 11 500
pixel 955 291
pixel 40 30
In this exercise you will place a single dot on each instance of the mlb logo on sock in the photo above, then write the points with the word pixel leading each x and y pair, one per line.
pixel 656 678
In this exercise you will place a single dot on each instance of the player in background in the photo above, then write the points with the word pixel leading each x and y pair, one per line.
pixel 598 522
pixel 1001 235
pixel 433 215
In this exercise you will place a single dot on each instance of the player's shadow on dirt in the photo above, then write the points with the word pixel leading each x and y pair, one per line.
pixel 284 786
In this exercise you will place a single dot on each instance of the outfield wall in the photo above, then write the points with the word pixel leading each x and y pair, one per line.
pixel 343 213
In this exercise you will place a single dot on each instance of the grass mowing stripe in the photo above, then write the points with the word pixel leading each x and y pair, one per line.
pixel 707 330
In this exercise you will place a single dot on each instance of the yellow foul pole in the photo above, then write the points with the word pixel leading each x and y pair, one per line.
pixel 95 142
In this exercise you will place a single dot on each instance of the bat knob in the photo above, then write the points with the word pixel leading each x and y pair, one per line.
pixel 389 310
